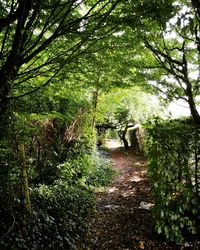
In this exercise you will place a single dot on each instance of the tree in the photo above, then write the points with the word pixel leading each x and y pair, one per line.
pixel 196 25
pixel 124 122
pixel 38 38
pixel 174 68
pixel 179 57
pixel 103 68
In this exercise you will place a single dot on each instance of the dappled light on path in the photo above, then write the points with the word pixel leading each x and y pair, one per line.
pixel 120 221
pixel 113 143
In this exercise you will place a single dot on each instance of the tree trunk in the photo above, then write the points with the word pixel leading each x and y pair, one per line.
pixel 134 139
pixel 194 113
pixel 4 101
pixel 122 136
pixel 7 76
pixel 24 177
pixel 126 146
pixel 94 102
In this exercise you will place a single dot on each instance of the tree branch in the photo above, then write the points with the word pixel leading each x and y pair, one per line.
pixel 10 18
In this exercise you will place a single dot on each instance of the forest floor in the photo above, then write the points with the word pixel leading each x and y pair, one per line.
pixel 120 223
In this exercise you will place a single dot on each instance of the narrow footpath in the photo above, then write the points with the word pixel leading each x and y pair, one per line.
pixel 120 222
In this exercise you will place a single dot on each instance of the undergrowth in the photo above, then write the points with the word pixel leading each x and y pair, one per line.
pixel 62 177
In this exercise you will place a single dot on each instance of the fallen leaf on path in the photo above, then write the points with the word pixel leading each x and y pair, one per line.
pixel 141 245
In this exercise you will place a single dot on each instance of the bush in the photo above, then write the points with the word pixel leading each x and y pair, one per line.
pixel 173 148
pixel 76 169
pixel 102 172
pixel 59 219
pixel 93 170
pixel 61 176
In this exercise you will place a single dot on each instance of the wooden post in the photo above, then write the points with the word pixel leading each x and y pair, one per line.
pixel 26 192
pixel 95 103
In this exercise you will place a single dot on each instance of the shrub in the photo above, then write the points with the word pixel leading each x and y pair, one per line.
pixel 60 180
pixel 173 148
pixel 102 172
pixel 76 168
pixel 59 219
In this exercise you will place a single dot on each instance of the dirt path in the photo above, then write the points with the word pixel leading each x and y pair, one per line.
pixel 119 222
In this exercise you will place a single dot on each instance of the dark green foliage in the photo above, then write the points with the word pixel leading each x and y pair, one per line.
pixel 63 169
pixel 59 219
pixel 173 149
pixel 101 174
pixel 10 189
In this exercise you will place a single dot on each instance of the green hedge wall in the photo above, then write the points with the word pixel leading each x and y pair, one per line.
pixel 173 152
